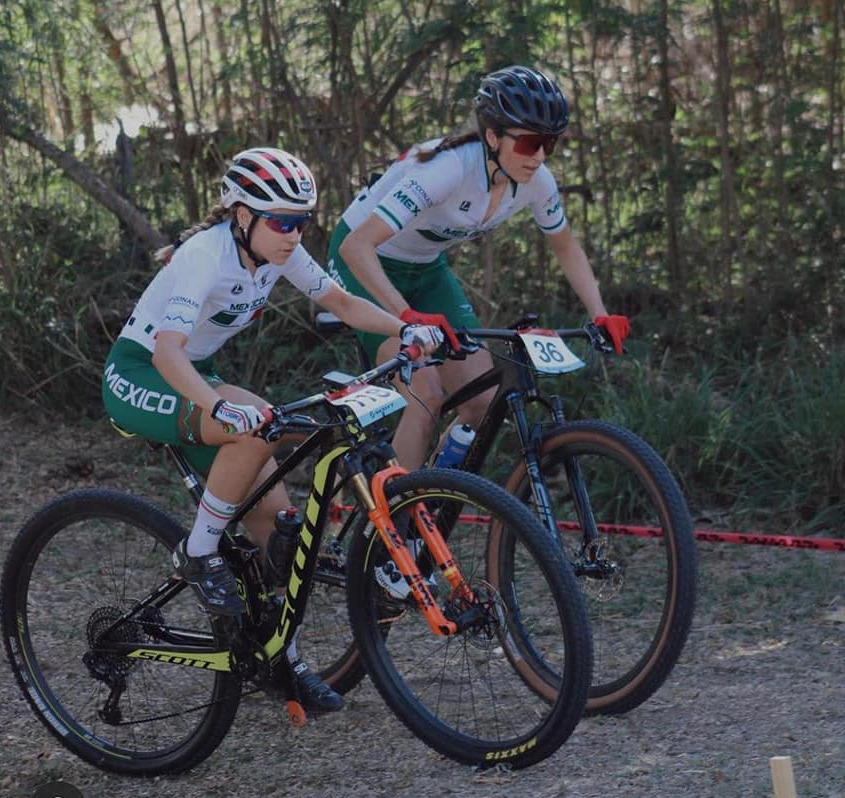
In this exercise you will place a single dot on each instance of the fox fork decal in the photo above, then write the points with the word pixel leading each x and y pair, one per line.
pixel 398 551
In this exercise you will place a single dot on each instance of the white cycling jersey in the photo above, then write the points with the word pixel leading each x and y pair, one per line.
pixel 437 204
pixel 206 292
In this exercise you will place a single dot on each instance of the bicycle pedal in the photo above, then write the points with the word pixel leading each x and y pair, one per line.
pixel 296 714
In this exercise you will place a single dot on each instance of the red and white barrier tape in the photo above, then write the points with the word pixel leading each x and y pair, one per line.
pixel 704 535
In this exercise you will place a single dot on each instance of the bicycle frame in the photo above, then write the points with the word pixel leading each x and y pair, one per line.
pixel 197 650
pixel 517 386
pixel 279 620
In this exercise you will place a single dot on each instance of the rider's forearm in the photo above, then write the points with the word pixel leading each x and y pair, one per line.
pixel 175 366
pixel 573 260
pixel 360 256
pixel 360 313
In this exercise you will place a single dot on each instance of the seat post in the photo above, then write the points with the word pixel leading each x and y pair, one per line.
pixel 188 474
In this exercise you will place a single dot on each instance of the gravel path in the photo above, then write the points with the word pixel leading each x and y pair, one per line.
pixel 763 675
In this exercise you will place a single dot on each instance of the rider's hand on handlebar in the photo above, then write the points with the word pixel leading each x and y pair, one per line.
pixel 237 419
pixel 410 316
pixel 428 338
pixel 617 328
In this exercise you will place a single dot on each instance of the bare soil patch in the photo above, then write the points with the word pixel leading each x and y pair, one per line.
pixel 763 675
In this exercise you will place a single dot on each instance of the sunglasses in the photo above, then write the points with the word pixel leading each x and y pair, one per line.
pixel 285 223
pixel 529 143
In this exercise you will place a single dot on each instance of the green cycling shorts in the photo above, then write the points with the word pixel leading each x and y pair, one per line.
pixel 141 401
pixel 428 287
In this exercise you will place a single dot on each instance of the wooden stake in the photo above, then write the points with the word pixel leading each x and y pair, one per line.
pixel 782 778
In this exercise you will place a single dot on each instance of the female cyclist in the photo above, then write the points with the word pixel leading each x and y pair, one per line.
pixel 159 381
pixel 390 243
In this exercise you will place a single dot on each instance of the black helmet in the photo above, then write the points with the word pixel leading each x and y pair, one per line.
pixel 517 96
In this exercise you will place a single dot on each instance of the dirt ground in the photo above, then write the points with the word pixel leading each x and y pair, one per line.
pixel 763 675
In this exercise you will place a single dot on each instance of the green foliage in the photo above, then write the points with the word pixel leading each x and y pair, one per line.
pixel 54 328
pixel 764 438
pixel 760 197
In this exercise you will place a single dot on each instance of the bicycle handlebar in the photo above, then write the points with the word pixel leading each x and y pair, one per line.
pixel 589 332
pixel 285 417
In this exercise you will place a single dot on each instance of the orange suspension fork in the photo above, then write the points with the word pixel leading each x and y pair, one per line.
pixel 379 514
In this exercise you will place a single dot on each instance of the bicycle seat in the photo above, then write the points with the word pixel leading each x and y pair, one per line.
pixel 328 323
pixel 125 433
pixel 120 431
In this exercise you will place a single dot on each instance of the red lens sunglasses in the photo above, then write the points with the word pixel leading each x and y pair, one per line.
pixel 285 223
pixel 529 143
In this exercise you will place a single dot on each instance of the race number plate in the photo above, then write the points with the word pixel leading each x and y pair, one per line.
pixel 548 353
pixel 368 402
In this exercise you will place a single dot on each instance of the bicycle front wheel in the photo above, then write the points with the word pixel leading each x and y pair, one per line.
pixel 639 576
pixel 459 693
pixel 77 566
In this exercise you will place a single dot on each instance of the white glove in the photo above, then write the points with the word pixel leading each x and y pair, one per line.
pixel 236 419
pixel 426 337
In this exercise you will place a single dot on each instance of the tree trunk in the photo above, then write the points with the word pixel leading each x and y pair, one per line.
pixel 726 174
pixel 91 183
pixel 677 273
pixel 180 134
pixel 605 266
pixel 577 125
pixel 224 114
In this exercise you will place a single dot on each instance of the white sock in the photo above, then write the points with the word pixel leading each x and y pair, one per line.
pixel 292 653
pixel 212 517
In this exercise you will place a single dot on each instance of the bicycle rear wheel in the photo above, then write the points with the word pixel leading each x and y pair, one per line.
pixel 75 567
pixel 640 583
pixel 460 693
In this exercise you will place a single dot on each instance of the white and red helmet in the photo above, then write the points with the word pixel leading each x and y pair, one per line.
pixel 265 178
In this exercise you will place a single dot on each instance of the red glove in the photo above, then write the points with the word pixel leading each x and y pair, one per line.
pixel 617 328
pixel 410 316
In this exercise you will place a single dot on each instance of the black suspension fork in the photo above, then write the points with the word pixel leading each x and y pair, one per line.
pixel 529 439
pixel 581 500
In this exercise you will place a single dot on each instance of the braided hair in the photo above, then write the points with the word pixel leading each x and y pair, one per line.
pixel 216 215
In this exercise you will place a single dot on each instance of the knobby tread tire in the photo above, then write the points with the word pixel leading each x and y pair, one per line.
pixel 63 511
pixel 609 440
pixel 568 705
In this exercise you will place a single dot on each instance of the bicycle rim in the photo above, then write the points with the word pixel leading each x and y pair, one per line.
pixel 78 564
pixel 460 693
pixel 641 595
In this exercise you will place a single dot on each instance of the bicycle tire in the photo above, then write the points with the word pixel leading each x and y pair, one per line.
pixel 459 693
pixel 77 564
pixel 640 615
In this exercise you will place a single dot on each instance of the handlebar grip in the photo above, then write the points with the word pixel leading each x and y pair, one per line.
pixel 413 351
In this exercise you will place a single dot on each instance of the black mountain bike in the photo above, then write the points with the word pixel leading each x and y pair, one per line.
pixel 119 661
pixel 600 489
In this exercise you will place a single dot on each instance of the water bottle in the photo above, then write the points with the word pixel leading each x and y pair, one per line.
pixel 456 446
pixel 281 547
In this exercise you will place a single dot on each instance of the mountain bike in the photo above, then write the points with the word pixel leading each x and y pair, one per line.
pixel 599 488
pixel 117 658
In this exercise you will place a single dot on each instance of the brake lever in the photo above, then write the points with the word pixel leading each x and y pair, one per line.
pixel 279 424
pixel 599 342
pixel 405 372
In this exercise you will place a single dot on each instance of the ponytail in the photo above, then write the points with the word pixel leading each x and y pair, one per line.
pixel 448 143
pixel 216 215
pixel 483 121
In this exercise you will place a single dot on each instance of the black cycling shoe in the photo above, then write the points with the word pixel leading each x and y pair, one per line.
pixel 212 579
pixel 314 693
